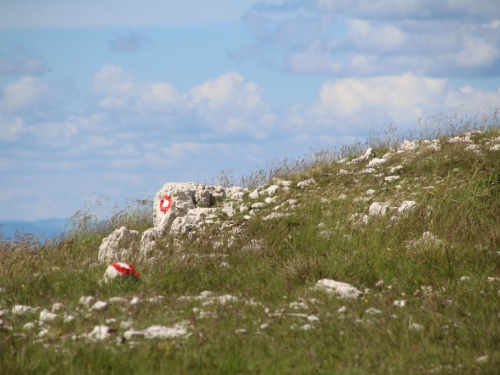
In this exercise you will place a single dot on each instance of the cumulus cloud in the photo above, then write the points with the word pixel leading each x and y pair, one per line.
pixel 13 65
pixel 11 128
pixel 383 37
pixel 350 105
pixel 131 42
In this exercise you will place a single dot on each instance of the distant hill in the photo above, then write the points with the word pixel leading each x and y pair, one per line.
pixel 46 228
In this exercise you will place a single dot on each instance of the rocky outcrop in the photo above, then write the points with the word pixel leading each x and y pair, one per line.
pixel 174 200
pixel 120 245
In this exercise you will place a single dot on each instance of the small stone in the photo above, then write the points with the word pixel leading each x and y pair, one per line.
pixel 57 307
pixel 86 300
pixel 126 324
pixel 46 316
pixel 224 265
pixel 399 303
pixel 99 306
pixel 29 326
pixel 373 311
pixel 21 310
pixel 482 359
pixel 391 178
pixel 342 289
pixel 135 301
pixel 68 318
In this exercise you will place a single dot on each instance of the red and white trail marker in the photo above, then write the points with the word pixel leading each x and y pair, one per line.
pixel 118 270
pixel 165 204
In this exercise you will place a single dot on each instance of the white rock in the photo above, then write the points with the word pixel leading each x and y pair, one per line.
pixel 224 265
pixel 46 316
pixel 395 169
pixel 416 327
pixel 392 178
pixel 57 307
pixel 99 306
pixel 22 310
pixel 407 146
pixel 376 161
pixel 191 220
pixel 370 192
pixel 368 171
pixel 119 270
pixel 342 309
pixel 306 183
pixel 282 182
pixel 254 194
pixel 399 303
pixel 68 318
pixel 29 326
pixel 378 209
pixel 407 206
pixel 135 301
pixel 342 197
pixel 373 311
pixel 258 205
pixel 121 244
pixel 269 200
pixel 99 333
pixel 367 155
pixel 495 148
pixel 275 215
pixel 149 240
pixel 86 300
pixel 342 289
pixel 228 209
pixel 482 359
pixel 273 189
pixel 306 327
pixel 158 332
pixel 179 198
pixel 343 172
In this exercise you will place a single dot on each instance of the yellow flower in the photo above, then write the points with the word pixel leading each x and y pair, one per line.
pixel 22 286
pixel 388 249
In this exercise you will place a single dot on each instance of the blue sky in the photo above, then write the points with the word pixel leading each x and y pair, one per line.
pixel 116 98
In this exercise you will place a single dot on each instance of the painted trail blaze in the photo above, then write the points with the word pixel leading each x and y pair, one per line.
pixel 165 204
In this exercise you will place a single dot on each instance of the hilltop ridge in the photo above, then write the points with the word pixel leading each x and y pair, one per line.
pixel 384 261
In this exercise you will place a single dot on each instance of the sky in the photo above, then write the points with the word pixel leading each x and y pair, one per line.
pixel 112 99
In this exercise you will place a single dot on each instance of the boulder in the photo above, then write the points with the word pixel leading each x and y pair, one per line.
pixel 120 245
pixel 174 200
pixel 119 270
pixel 191 220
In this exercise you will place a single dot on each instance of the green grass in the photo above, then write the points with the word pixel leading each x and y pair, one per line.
pixel 262 331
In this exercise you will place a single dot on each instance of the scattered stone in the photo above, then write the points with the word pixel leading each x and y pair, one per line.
pixel 121 244
pixel 416 327
pixel 120 270
pixel 254 194
pixel 224 265
pixel 68 318
pixel 29 326
pixel 135 301
pixel 273 189
pixel 57 307
pixel 482 359
pixel 373 311
pixel 43 332
pixel 368 171
pixel 149 241
pixel 391 178
pixel 407 206
pixel 275 215
pixel 395 169
pixel 126 324
pixel 282 183
pixel 258 205
pixel 376 162
pixel 378 209
pixel 86 300
pixel 158 332
pixel 99 306
pixel 342 289
pixel 46 316
pixel 495 148
pixel 306 327
pixel 22 310
pixel 306 183
pixel 367 155
pixel 399 303
pixel 343 172
pixel 99 333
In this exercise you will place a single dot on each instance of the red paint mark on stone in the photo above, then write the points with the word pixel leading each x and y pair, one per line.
pixel 125 269
pixel 165 204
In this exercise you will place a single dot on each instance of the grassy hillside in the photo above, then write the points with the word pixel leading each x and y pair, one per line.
pixel 430 277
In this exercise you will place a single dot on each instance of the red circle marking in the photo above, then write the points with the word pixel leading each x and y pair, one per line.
pixel 165 204
pixel 125 269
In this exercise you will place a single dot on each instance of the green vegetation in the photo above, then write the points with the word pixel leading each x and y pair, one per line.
pixel 278 323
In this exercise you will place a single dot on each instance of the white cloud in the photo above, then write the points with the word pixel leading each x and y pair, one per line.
pixel 354 38
pixel 23 93
pixel 13 65
pixel 11 128
pixel 351 105
pixel 131 42
pixel 119 90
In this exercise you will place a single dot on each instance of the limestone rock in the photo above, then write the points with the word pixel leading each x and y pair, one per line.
pixel 342 289
pixel 191 220
pixel 148 241
pixel 175 200
pixel 122 244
